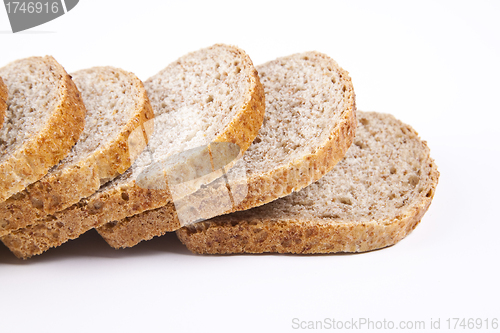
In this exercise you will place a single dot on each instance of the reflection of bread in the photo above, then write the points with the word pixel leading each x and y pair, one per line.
pixel 308 126
pixel 117 104
pixel 3 101
pixel 44 119
pixel 372 199
pixel 210 95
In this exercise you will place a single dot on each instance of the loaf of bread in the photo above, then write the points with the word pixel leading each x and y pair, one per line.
pixel 372 199
pixel 199 166
pixel 308 127
pixel 44 119
pixel 117 105
pixel 211 95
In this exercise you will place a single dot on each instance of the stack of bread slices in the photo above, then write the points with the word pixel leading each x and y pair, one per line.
pixel 234 158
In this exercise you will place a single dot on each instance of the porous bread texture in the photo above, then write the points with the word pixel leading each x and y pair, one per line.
pixel 308 126
pixel 3 101
pixel 211 95
pixel 121 105
pixel 372 199
pixel 44 119
pixel 117 105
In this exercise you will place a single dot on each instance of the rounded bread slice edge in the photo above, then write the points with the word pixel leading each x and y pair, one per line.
pixel 52 143
pixel 67 184
pixel 247 232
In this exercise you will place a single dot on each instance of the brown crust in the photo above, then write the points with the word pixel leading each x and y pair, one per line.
pixel 36 239
pixel 262 188
pixel 130 199
pixel 244 127
pixel 229 234
pixel 50 145
pixel 115 159
pixel 156 223
pixel 62 188
pixel 4 93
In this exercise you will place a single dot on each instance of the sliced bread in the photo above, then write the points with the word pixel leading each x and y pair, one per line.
pixel 211 95
pixel 117 104
pixel 372 199
pixel 44 119
pixel 3 101
pixel 308 127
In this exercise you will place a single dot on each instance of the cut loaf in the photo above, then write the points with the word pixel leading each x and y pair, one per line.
pixel 44 118
pixel 211 95
pixel 117 105
pixel 3 101
pixel 308 126
pixel 372 199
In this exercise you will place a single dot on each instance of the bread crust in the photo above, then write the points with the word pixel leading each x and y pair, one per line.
pixel 262 188
pixel 65 186
pixel 3 101
pixel 228 236
pixel 246 124
pixel 51 144
pixel 156 222
pixel 130 199
pixel 244 232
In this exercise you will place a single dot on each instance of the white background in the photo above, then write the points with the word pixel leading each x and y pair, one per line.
pixel 434 65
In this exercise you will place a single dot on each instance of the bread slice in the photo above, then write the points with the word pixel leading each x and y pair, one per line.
pixel 372 199
pixel 308 127
pixel 117 105
pixel 44 119
pixel 3 101
pixel 211 95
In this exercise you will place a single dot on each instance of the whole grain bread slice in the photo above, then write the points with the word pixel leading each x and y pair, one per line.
pixel 372 199
pixel 44 118
pixel 4 93
pixel 308 127
pixel 117 105
pixel 211 95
